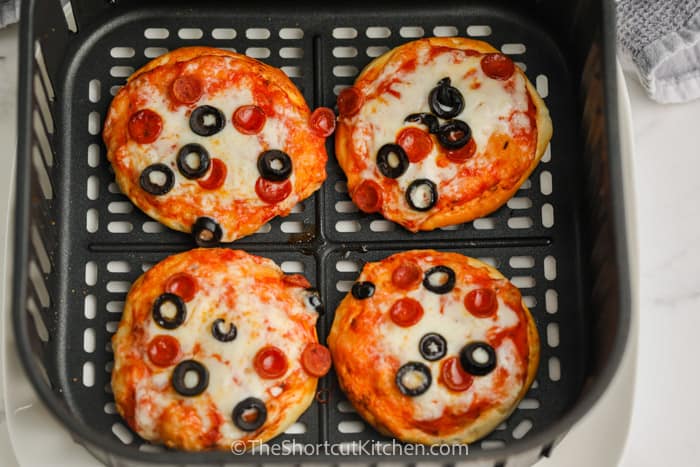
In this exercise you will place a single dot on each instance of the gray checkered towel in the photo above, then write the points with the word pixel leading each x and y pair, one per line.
pixel 662 39
pixel 9 12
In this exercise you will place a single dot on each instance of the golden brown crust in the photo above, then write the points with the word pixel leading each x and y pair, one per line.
pixel 491 199
pixel 239 215
pixel 360 333
pixel 143 393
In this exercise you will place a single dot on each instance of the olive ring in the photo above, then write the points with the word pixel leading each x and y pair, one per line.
pixel 454 134
pixel 193 171
pixel 179 378
pixel 478 358
pixel 155 188
pixel 243 422
pixel 422 195
pixel 274 165
pixel 207 120
pixel 362 290
pixel 444 287
pixel 445 100
pixel 167 322
pixel 432 346
pixel 313 299
pixel 429 120
pixel 219 334
pixel 392 167
pixel 207 232
pixel 413 368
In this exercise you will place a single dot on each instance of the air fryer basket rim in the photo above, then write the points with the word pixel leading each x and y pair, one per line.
pixel 541 439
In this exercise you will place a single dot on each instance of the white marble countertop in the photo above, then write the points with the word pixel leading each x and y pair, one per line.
pixel 663 427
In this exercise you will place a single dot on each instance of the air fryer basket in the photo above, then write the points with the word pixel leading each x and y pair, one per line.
pixel 80 242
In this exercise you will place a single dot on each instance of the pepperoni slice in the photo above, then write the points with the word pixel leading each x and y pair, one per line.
pixel 183 285
pixel 249 119
pixel 463 153
pixel 217 175
pixel 350 101
pixel 272 192
pixel 296 280
pixel 145 126
pixel 406 312
pixel 407 275
pixel 322 122
pixel 453 376
pixel 270 362
pixel 415 142
pixel 316 360
pixel 163 350
pixel 497 66
pixel 186 89
pixel 368 196
pixel 482 303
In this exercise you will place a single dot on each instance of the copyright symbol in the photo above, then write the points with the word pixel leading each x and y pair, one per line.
pixel 238 447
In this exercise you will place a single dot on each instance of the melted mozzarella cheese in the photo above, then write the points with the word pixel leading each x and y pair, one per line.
pixel 488 106
pixel 238 151
pixel 447 316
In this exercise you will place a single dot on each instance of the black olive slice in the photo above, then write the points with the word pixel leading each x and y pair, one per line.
pixel 243 420
pixel 207 232
pixel 432 346
pixel 172 318
pixel 362 290
pixel 439 279
pixel 274 165
pixel 217 330
pixel 157 179
pixel 187 385
pixel 478 358
pixel 445 100
pixel 392 160
pixel 186 166
pixel 454 134
pixel 313 299
pixel 413 379
pixel 207 120
pixel 426 119
pixel 422 195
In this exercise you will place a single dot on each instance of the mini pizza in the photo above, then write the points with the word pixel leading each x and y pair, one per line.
pixel 216 346
pixel 215 143
pixel 434 347
pixel 438 132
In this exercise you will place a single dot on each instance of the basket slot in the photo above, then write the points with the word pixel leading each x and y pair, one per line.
pixel 40 326
pixel 40 250
pixel 69 16
pixel 41 64
pixel 42 138
pixel 43 104
pixel 479 30
pixel 42 174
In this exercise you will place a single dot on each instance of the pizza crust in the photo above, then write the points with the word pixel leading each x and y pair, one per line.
pixel 143 392
pixel 376 397
pixel 490 200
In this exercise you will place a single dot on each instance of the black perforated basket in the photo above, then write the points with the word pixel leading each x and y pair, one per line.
pixel 80 242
